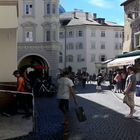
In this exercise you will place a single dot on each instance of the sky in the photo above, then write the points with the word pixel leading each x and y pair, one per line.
pixel 108 9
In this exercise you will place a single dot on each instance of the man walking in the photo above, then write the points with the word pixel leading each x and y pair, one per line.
pixel 65 89
pixel 129 90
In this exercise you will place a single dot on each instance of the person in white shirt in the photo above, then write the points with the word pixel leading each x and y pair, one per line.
pixel 129 90
pixel 65 90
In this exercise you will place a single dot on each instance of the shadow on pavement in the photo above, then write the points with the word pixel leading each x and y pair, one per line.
pixel 102 123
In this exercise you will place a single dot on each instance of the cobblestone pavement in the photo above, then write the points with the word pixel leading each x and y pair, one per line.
pixel 47 121
pixel 105 118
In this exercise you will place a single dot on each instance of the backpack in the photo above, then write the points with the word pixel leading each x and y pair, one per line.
pixel 28 87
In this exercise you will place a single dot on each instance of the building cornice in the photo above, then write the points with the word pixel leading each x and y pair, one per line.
pixel 28 23
pixel 33 44
pixel 96 25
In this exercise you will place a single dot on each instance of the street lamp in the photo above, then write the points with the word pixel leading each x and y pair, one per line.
pixel 65 47
pixel 64 23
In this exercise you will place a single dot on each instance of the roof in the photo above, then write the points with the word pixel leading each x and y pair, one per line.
pixel 126 2
pixel 82 22
pixel 80 18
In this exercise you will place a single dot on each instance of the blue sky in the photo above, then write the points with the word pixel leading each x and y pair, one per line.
pixel 108 9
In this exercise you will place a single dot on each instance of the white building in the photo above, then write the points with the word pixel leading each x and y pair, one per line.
pixel 8 39
pixel 38 34
pixel 87 41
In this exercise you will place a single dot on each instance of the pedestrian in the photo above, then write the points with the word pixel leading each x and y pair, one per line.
pixel 129 90
pixel 110 75
pixel 65 89
pixel 84 79
pixel 118 79
pixel 124 76
pixel 94 77
pixel 22 99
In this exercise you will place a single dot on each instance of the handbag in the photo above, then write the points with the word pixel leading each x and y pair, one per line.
pixel 80 114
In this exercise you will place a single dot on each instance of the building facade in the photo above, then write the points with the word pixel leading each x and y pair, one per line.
pixel 132 25
pixel 38 34
pixel 87 41
pixel 8 39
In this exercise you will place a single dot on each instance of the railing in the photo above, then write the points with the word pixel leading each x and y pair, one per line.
pixel 25 93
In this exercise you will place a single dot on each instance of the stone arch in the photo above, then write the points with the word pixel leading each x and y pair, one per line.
pixel 34 62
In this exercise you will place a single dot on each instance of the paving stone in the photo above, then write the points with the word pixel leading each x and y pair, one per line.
pixel 105 118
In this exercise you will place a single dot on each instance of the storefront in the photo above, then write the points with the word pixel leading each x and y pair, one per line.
pixel 132 58
pixel 120 62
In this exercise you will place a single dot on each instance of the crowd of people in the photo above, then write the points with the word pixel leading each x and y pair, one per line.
pixel 117 79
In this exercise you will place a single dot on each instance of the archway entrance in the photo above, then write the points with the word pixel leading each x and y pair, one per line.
pixel 35 65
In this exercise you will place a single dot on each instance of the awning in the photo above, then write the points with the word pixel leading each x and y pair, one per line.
pixel 107 61
pixel 123 61
pixel 8 17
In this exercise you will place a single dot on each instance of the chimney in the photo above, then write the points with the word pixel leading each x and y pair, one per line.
pixel 74 14
pixel 87 14
pixel 94 16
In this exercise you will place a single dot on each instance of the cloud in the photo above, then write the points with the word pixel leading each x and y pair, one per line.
pixel 102 3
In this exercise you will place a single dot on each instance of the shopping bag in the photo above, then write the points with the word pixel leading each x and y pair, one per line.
pixel 80 114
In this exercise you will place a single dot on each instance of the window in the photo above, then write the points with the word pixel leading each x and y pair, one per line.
pixel 120 46
pixel 102 58
pixel 92 57
pixel 28 36
pixel 116 46
pixel 70 46
pixel 54 35
pixel 60 57
pixel 93 45
pixel 70 34
pixel 120 35
pixel 69 58
pixel 80 33
pixel 116 34
pixel 48 35
pixel 102 33
pixel 132 15
pixel 93 34
pixel 48 8
pixel 102 45
pixel 28 8
pixel 29 32
pixel 137 39
pixel 61 34
pixel 79 46
pixel 79 57
pixel 53 8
